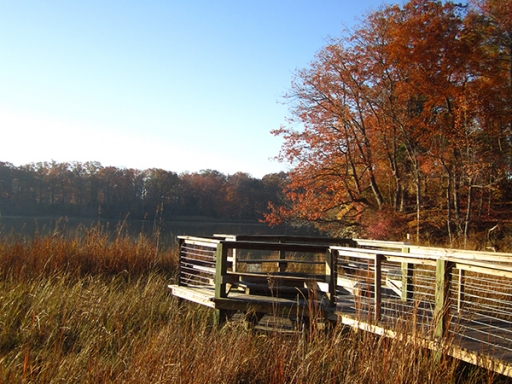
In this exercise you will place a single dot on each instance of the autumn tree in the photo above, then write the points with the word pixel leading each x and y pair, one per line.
pixel 160 192
pixel 203 192
pixel 396 115
pixel 244 196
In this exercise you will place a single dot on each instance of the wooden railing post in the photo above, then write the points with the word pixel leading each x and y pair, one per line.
pixel 377 287
pixel 180 257
pixel 221 260
pixel 234 254
pixel 442 292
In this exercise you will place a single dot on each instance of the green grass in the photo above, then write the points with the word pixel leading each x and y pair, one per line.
pixel 89 308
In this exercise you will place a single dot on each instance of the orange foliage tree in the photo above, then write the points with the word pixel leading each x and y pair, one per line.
pixel 407 116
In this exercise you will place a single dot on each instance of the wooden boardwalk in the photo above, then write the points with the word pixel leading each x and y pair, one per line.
pixel 457 301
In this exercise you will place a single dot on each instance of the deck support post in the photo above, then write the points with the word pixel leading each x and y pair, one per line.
pixel 221 260
pixel 442 296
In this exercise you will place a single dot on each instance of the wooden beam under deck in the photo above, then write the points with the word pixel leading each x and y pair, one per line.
pixel 238 301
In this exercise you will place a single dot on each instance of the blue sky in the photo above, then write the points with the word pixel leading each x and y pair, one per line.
pixel 179 85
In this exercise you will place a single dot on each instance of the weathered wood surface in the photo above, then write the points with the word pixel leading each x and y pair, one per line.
pixel 240 301
pixel 446 299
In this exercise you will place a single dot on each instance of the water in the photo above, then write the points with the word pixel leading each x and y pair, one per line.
pixel 168 230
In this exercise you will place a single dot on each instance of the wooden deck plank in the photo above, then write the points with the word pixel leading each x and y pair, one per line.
pixel 199 295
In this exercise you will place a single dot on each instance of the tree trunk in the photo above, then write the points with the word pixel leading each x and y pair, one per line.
pixel 376 191
pixel 456 199
pixel 467 220
pixel 418 205
pixel 449 209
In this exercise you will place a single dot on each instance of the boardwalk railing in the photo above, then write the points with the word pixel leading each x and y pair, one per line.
pixel 232 273
pixel 460 301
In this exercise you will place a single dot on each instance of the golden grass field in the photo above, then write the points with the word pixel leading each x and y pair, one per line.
pixel 94 308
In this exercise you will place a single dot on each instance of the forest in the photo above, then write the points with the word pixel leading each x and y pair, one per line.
pixel 404 124
pixel 95 191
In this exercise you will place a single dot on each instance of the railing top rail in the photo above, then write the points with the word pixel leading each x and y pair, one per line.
pixel 368 253
pixel 381 243
pixel 462 253
pixel 256 245
pixel 288 247
pixel 204 241
pixel 205 238
pixel 286 239
pixel 438 251
pixel 482 265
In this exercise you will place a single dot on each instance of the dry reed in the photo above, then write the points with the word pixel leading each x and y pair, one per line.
pixel 93 309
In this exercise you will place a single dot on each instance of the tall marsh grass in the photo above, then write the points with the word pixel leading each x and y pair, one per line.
pixel 90 308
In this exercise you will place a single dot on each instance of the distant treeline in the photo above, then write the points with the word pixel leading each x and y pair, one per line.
pixel 92 190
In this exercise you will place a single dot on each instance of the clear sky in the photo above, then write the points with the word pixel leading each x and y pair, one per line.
pixel 182 85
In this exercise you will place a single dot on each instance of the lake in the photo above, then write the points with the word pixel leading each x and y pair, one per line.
pixel 169 229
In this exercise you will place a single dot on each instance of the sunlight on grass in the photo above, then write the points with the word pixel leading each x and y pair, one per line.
pixel 95 309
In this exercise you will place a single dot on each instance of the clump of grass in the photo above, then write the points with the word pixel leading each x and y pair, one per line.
pixel 92 309
pixel 91 251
